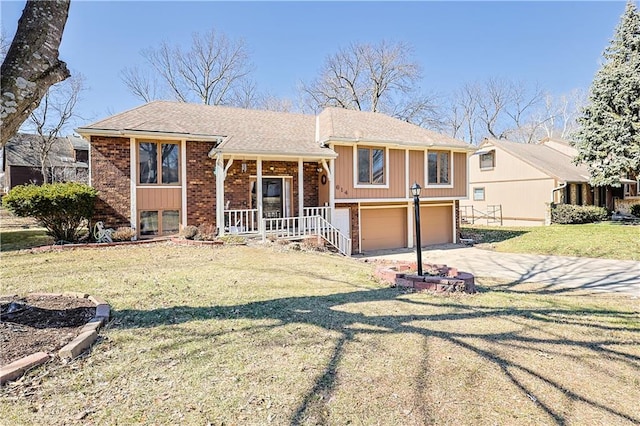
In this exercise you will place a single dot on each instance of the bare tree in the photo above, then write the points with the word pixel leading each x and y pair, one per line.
pixel 379 77
pixel 559 114
pixel 32 65
pixel 495 108
pixel 55 114
pixel 210 71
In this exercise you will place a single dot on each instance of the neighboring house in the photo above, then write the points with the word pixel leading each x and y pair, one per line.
pixel 164 165
pixel 68 160
pixel 514 183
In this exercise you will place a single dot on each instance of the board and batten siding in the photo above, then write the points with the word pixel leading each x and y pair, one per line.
pixel 395 175
pixel 161 198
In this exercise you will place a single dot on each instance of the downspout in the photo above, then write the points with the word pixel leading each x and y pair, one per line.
pixel 547 220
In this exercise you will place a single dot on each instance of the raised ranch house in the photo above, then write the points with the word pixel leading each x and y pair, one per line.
pixel 514 183
pixel 346 173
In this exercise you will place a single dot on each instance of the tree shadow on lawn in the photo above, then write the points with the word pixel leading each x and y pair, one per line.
pixel 325 312
pixel 483 236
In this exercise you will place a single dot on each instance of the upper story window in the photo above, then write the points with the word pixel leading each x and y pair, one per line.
pixel 158 163
pixel 488 160
pixel 371 166
pixel 439 168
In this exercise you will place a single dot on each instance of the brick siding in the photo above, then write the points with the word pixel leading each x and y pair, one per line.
pixel 201 184
pixel 355 222
pixel 110 175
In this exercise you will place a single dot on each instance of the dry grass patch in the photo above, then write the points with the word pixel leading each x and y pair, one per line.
pixel 250 335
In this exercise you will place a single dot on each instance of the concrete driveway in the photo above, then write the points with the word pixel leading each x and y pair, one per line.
pixel 556 273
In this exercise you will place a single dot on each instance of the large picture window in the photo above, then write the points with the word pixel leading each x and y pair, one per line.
pixel 158 163
pixel 371 166
pixel 439 168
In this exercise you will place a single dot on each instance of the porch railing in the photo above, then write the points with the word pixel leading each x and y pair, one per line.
pixel 306 226
pixel 241 221
pixel 323 212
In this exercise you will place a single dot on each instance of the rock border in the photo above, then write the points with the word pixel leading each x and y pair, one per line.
pixel 86 337
pixel 439 278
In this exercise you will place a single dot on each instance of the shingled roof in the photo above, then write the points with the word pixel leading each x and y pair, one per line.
pixel 23 150
pixel 351 125
pixel 268 132
pixel 546 159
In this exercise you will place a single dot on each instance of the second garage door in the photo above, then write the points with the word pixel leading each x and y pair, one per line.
pixel 383 228
pixel 436 225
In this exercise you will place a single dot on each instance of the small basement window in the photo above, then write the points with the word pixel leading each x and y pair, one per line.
pixel 151 226
pixel 478 194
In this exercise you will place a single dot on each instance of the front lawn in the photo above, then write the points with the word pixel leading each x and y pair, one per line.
pixel 255 335
pixel 599 240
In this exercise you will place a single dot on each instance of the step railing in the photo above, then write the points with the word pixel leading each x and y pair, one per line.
pixel 323 212
pixel 306 226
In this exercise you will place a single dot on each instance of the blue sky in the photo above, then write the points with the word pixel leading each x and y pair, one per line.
pixel 557 45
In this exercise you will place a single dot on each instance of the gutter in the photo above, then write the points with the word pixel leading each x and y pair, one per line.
pixel 85 131
pixel 558 188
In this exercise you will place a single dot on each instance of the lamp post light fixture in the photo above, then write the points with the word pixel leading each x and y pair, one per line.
pixel 415 190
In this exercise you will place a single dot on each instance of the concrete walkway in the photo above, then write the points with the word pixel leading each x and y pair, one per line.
pixel 554 272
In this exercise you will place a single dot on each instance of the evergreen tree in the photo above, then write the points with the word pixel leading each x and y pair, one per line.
pixel 608 141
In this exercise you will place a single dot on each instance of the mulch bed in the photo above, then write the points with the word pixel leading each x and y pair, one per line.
pixel 40 323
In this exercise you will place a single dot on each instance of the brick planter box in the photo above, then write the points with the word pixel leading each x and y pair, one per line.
pixel 440 278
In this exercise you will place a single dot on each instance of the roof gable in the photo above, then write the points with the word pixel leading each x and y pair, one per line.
pixel 548 160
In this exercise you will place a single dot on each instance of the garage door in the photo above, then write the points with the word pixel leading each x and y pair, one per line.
pixel 436 225
pixel 383 228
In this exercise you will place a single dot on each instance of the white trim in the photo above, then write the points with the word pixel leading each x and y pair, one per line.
pixel 183 179
pixel 395 200
pixel 158 186
pixel 271 155
pixel 426 171
pixel 332 187
pixel 396 144
pixel 90 168
pixel 410 222
pixel 455 223
pixel 133 177
pixel 219 172
pixel 383 207
pixel 82 131
pixel 356 184
pixel 272 176
pixel 259 191
pixel 300 187
pixel 359 229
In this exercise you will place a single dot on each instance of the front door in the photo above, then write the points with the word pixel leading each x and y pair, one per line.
pixel 275 197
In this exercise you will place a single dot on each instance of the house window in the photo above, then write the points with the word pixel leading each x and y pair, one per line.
pixel 158 161
pixel 371 166
pixel 438 168
pixel 151 226
pixel 488 160
pixel 478 194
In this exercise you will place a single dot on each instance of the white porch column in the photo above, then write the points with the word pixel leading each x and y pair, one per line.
pixel 133 177
pixel 259 191
pixel 300 187
pixel 332 187
pixel 183 179
pixel 220 194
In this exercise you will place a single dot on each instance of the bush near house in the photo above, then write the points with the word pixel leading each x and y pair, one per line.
pixel 635 210
pixel 62 208
pixel 566 214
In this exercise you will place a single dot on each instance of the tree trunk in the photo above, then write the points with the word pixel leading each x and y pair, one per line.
pixel 32 64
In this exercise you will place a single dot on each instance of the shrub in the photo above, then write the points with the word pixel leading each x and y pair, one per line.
pixel 566 214
pixel 123 234
pixel 635 210
pixel 189 232
pixel 62 208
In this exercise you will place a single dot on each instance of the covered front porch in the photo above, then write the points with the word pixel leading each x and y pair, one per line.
pixel 288 198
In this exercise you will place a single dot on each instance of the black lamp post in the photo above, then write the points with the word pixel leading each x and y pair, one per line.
pixel 415 190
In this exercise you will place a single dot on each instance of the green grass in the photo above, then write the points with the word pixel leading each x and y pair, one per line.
pixel 600 240
pixel 254 335
pixel 18 239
